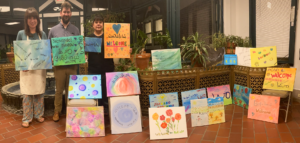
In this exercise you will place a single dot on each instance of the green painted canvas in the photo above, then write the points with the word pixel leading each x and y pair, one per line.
pixel 167 59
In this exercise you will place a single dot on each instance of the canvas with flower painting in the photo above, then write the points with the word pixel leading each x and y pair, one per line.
pixel 167 123
pixel 241 95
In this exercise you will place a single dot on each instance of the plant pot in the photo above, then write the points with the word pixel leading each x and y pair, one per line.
pixel 10 56
pixel 141 60
pixel 197 64
pixel 229 49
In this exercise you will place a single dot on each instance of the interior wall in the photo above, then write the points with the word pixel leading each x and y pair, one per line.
pixel 296 58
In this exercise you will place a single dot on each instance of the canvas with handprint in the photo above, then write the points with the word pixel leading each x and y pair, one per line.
pixel 85 122
pixel 264 56
pixel 116 40
pixel 241 95
pixel 216 112
pixel 85 87
pixel 125 115
pixel 220 91
pixel 164 100
pixel 187 96
pixel 264 108
pixel 167 123
pixel 199 112
pixel 122 83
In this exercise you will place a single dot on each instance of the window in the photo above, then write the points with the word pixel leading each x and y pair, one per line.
pixel 4 7
pixel 148 30
pixel 158 25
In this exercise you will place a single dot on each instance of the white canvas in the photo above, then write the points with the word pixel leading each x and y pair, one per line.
pixel 125 115
pixel 167 123
pixel 187 96
pixel 199 112
pixel 243 56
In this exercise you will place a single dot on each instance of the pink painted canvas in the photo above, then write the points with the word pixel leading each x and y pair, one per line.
pixel 220 91
pixel 265 108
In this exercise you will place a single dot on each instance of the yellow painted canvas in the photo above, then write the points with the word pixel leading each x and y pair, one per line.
pixel 280 79
pixel 116 40
pixel 263 57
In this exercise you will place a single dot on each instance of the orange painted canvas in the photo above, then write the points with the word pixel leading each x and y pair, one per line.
pixel 280 79
pixel 116 40
pixel 265 108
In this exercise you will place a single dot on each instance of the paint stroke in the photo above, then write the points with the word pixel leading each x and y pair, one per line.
pixel 216 113
pixel 164 100
pixel 166 59
pixel 93 44
pixel 187 96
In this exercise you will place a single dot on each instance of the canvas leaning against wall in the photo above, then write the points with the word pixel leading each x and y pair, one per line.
pixel 216 112
pixel 280 79
pixel 85 87
pixel 220 91
pixel 199 112
pixel 241 95
pixel 187 96
pixel 164 100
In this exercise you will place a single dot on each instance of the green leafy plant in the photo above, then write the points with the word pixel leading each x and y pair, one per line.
pixel 125 65
pixel 194 48
pixel 141 40
pixel 218 40
pixel 163 39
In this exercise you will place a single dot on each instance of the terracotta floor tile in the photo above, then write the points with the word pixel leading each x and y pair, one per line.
pixel 237 115
pixel 209 136
pixel 295 132
pixel 141 137
pixel 37 131
pixel 83 141
pixel 282 128
pixel 247 140
pixel 76 139
pixel 183 140
pixel 292 125
pixel 248 133
pixel 221 140
pixel 165 141
pixel 61 129
pixel 223 132
pixel 51 139
pixel 237 122
pixel 261 138
pixel 36 138
pixel 51 132
pixel 238 109
pixel 225 125
pixel 8 140
pixel 297 139
pixel 236 129
pixel 17 122
pixel 10 134
pixel 3 131
pixel 1 137
pixel 286 137
pixel 23 130
pixel 274 140
pixel 190 130
pixel 66 140
pixel 109 138
pixel 272 133
pixel 207 141
pixel 270 125
pixel 200 130
pixel 235 138
pixel 23 136
pixel 260 129
pixel 195 138
pixel 92 140
pixel 213 128
pixel 15 127
pixel 248 125
pixel 23 141
pixel 228 117
pixel 5 125
pixel 126 137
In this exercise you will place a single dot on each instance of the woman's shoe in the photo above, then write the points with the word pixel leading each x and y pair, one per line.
pixel 40 120
pixel 25 124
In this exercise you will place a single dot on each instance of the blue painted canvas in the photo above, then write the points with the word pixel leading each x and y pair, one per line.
pixel 68 50
pixel 187 96
pixel 230 59
pixel 93 44
pixel 85 87
pixel 167 59
pixel 241 95
pixel 32 55
pixel 164 100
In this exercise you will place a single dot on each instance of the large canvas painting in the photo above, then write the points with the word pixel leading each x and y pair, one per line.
pixel 187 96
pixel 241 95
pixel 216 112
pixel 93 44
pixel 116 40
pixel 265 108
pixel 85 87
pixel 199 112
pixel 280 79
pixel 167 123
pixel 167 59
pixel 263 57
pixel 32 55
pixel 122 83
pixel 68 50
pixel 220 91
pixel 164 100
pixel 125 115
pixel 243 56
pixel 85 122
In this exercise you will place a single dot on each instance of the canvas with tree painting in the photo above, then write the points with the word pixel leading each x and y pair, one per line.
pixel 199 112
pixel 220 91
pixel 241 95
pixel 164 100
pixel 187 96
pixel 216 112
pixel 167 123
pixel 125 115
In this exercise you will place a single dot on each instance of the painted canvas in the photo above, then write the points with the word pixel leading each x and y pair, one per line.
pixel 85 122
pixel 68 50
pixel 93 44
pixel 164 100
pixel 220 91
pixel 280 79
pixel 263 57
pixel 263 107
pixel 122 83
pixel 243 56
pixel 167 123
pixel 125 115
pixel 215 57
pixel 216 112
pixel 116 40
pixel 187 96
pixel 85 87
pixel 230 59
pixel 167 59
pixel 199 112
pixel 32 55
pixel 241 95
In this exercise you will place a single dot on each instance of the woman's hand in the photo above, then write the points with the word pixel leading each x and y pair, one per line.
pixel 130 50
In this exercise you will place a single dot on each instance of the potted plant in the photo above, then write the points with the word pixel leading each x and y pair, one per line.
pixel 194 48
pixel 10 55
pixel 218 40
pixel 139 57
pixel 162 40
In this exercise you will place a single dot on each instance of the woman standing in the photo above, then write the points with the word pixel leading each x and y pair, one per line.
pixel 32 83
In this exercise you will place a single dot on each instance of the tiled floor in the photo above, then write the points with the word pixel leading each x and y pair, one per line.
pixel 237 129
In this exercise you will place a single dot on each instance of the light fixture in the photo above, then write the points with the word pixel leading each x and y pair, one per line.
pixel 12 23
pixel 20 9
pixel 4 8
pixel 56 8
pixel 99 9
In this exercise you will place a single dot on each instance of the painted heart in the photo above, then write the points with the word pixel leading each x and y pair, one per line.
pixel 121 48
pixel 115 49
pixel 117 28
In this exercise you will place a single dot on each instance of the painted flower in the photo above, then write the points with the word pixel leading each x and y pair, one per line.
pixel 240 101
pixel 169 112
pixel 163 125
pixel 168 120
pixel 244 105
pixel 155 116
pixel 233 90
pixel 162 117
pixel 246 90
pixel 235 102
pixel 242 90
pixel 173 119
pixel 234 98
pixel 177 116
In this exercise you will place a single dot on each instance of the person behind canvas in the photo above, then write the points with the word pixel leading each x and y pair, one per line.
pixel 62 73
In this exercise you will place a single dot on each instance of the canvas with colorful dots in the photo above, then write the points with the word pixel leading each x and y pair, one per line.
pixel 122 83
pixel 263 57
pixel 116 40
pixel 85 87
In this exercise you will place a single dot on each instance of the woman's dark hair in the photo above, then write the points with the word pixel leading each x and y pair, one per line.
pixel 31 12
pixel 98 18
